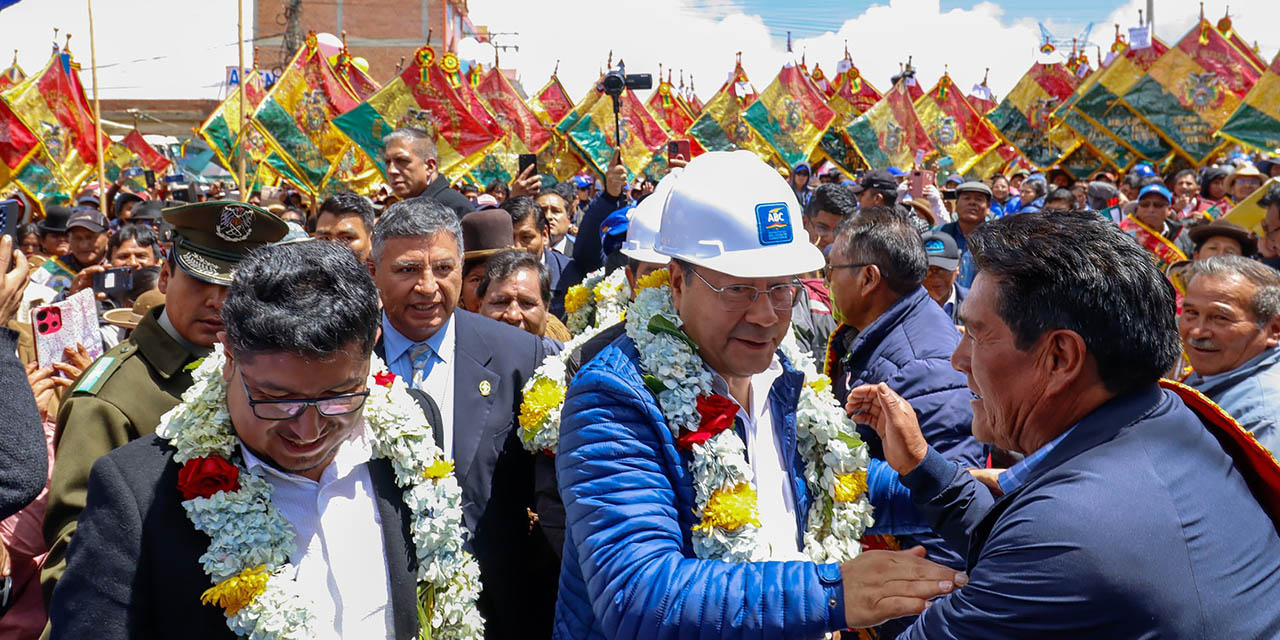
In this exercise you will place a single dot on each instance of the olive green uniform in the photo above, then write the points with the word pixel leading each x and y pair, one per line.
pixel 118 399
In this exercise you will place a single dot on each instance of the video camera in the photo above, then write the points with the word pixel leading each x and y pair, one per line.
pixel 618 79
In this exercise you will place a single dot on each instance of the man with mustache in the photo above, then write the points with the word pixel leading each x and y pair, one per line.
pixel 122 395
pixel 1230 328
pixel 410 156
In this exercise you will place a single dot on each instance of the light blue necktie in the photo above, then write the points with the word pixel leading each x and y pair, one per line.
pixel 420 356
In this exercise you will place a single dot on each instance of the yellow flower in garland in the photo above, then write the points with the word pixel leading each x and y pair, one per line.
pixel 730 509
pixel 659 278
pixel 236 592
pixel 539 400
pixel 438 469
pixel 851 486
pixel 575 297
pixel 820 384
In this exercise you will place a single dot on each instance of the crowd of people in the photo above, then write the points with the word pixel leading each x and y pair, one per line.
pixel 732 402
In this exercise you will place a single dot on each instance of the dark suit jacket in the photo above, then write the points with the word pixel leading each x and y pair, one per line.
pixel 438 191
pixel 557 263
pixel 134 569
pixel 1136 525
pixel 517 568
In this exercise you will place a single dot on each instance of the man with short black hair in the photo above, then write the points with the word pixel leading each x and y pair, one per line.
pixel 410 158
pixel 829 206
pixel 557 206
pixel 973 201
pixel 532 232
pixel 473 368
pixel 1230 329
pixel 1128 517
pixel 1059 200
pixel 295 385
pixel 121 397
pixel 346 218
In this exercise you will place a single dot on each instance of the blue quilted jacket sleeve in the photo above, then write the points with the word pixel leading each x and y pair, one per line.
pixel 626 496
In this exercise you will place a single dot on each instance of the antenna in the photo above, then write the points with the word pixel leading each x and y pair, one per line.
pixel 556 71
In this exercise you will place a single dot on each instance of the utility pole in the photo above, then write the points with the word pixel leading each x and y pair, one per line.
pixel 1151 15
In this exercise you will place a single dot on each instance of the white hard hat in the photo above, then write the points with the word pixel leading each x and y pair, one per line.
pixel 732 213
pixel 642 230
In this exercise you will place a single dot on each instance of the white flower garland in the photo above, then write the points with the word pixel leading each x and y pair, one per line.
pixel 836 459
pixel 543 395
pixel 250 541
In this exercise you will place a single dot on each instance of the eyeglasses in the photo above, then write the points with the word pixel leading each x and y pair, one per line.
pixel 737 297
pixel 329 407
pixel 826 275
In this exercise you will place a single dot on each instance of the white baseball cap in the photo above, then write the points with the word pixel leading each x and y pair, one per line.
pixel 731 212
pixel 642 229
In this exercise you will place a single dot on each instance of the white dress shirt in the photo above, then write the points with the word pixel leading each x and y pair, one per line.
pixel 340 559
pixel 437 379
pixel 769 464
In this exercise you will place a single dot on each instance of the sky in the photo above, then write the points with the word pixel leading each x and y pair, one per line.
pixel 182 49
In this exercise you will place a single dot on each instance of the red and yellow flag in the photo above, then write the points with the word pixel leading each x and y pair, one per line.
pixel 791 115
pixel 1024 117
pixel 12 76
pixel 954 127
pixel 643 138
pixel 669 107
pixel 151 158
pixel 853 95
pixel 1256 122
pixel 513 115
pixel 721 126
pixel 551 104
pixel 53 106
pixel 890 134
pixel 358 80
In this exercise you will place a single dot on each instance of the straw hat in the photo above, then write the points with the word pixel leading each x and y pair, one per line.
pixel 129 318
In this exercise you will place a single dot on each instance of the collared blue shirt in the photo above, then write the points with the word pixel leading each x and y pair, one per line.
pixel 1250 393
pixel 1017 475
pixel 397 348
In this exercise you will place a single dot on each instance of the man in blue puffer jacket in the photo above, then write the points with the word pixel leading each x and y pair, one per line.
pixel 630 569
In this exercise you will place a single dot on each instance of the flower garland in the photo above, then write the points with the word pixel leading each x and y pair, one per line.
pixel 543 395
pixel 599 301
pixel 835 458
pixel 250 541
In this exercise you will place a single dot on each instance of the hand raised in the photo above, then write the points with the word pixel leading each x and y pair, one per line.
pixel 893 420
pixel 882 585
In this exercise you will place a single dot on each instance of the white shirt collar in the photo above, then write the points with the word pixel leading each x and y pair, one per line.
pixel 353 452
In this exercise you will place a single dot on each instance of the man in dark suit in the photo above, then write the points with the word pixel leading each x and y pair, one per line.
pixel 1138 509
pixel 410 157
pixel 134 567
pixel 474 368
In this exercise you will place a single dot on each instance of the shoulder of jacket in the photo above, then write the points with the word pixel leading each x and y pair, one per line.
pixel 96 376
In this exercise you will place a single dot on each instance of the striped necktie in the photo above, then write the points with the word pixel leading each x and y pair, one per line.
pixel 420 355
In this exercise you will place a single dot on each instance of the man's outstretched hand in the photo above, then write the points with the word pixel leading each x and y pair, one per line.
pixel 883 585
pixel 893 420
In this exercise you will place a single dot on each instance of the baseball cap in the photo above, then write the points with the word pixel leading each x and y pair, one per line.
pixel 942 250
pixel 1158 189
pixel 486 201
pixel 976 187
pixel 583 182
pixel 87 218
pixel 879 179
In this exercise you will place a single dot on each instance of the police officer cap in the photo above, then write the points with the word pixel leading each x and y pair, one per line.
pixel 210 238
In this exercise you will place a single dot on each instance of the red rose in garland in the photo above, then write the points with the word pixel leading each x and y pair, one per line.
pixel 384 378
pixel 203 477
pixel 717 414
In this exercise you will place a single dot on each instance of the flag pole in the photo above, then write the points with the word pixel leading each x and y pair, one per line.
pixel 244 188
pixel 97 116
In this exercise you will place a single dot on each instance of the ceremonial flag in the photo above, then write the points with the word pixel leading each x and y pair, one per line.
pixel 820 81
pixel 52 105
pixel 982 98
pixel 559 160
pixel 296 116
pixel 1191 91
pixel 583 107
pixel 551 104
pixel 1256 122
pixel 852 97
pixel 995 161
pixel 514 116
pixel 121 164
pixel 450 65
pixel 1084 161
pixel 1094 111
pixel 17 143
pixel 791 115
pixel 721 127
pixel 12 76
pixel 669 107
pixel 1227 29
pixel 357 80
pixel 1024 117
pixel 150 158
pixel 954 127
pixel 642 136
pixel 890 134
pixel 221 131
pixel 420 97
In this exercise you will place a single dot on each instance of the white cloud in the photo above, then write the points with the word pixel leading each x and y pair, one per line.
pixel 1254 20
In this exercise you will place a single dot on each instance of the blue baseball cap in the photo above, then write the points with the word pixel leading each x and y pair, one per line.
pixel 897 173
pixel 583 182
pixel 613 231
pixel 803 166
pixel 1143 169
pixel 1158 189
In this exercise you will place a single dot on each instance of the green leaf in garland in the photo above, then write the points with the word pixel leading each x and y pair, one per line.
pixel 194 365
pixel 659 324
pixel 655 385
